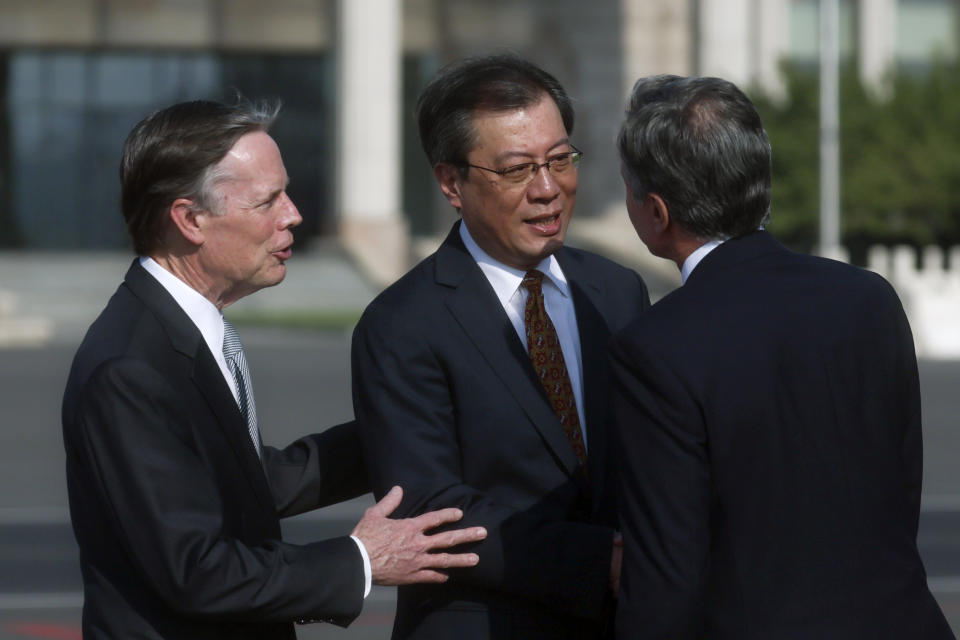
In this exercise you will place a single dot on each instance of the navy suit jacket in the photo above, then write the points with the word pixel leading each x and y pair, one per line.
pixel 450 409
pixel 769 421
pixel 175 516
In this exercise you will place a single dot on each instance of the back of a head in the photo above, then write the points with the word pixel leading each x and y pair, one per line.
pixel 170 154
pixel 700 145
pixel 490 83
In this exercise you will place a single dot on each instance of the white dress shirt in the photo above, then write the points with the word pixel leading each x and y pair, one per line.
pixel 694 258
pixel 209 321
pixel 203 313
pixel 507 284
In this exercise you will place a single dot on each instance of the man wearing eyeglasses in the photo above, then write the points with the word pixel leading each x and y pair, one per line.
pixel 480 377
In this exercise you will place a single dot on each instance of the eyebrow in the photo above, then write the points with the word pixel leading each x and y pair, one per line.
pixel 506 155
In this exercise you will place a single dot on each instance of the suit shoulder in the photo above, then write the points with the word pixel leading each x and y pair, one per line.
pixel 595 261
pixel 126 325
pixel 611 273
pixel 852 281
pixel 124 344
pixel 415 282
pixel 410 296
pixel 125 329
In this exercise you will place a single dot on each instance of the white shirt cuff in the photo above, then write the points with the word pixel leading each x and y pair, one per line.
pixel 367 571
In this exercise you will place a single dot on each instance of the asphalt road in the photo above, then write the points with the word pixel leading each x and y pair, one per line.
pixel 302 385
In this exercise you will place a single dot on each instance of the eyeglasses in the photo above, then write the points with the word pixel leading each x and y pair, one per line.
pixel 521 174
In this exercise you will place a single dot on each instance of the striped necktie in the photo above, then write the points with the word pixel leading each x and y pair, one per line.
pixel 237 363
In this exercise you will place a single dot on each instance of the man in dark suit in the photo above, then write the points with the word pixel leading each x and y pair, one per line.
pixel 174 498
pixel 768 411
pixel 464 395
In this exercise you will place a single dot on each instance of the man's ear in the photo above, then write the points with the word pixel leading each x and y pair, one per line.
pixel 187 218
pixel 661 213
pixel 449 178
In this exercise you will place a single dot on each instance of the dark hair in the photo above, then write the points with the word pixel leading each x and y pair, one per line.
pixel 699 144
pixel 173 153
pixel 490 83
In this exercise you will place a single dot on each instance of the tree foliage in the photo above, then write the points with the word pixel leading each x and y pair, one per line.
pixel 899 158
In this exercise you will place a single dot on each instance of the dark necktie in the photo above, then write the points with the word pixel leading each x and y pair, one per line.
pixel 237 363
pixel 547 358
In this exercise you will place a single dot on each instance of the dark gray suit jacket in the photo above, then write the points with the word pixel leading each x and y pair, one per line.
pixel 450 409
pixel 769 422
pixel 175 516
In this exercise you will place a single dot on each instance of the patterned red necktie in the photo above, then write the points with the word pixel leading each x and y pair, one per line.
pixel 547 358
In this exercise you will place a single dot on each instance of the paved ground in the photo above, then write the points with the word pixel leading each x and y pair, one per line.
pixel 302 383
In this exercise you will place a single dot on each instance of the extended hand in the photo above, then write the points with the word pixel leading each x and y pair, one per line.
pixel 616 559
pixel 402 553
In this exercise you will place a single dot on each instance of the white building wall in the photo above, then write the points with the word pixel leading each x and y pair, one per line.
pixel 930 295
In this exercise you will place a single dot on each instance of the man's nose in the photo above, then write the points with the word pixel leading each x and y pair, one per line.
pixel 544 184
pixel 291 215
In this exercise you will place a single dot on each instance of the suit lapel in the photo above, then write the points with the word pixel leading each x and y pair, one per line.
pixel 594 333
pixel 475 307
pixel 210 382
pixel 186 339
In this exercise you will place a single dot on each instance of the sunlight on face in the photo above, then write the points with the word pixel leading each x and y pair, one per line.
pixel 249 239
pixel 519 225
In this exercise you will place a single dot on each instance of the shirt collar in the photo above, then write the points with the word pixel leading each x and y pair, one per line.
pixel 506 280
pixel 694 258
pixel 201 311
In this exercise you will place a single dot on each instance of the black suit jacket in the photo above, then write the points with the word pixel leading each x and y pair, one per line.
pixel 175 516
pixel 769 419
pixel 451 410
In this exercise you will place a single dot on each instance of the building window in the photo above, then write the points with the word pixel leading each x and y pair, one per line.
pixel 68 113
pixel 926 30
pixel 804 34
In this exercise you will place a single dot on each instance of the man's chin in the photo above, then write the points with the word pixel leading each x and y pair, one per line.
pixel 538 254
pixel 552 245
pixel 275 276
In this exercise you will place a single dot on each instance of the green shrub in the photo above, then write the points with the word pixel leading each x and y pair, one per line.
pixel 899 157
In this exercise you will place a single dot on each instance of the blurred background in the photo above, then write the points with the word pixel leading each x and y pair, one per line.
pixel 861 99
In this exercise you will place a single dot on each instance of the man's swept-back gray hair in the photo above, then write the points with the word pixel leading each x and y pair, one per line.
pixel 699 144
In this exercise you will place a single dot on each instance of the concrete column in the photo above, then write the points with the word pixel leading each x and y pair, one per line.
pixel 656 39
pixel 743 41
pixel 876 43
pixel 829 128
pixel 368 179
pixel 770 36
pixel 725 50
